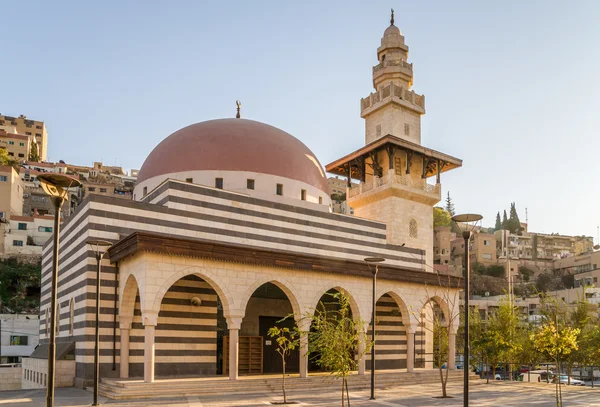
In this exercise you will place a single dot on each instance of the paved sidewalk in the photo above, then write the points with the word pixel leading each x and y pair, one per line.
pixel 482 395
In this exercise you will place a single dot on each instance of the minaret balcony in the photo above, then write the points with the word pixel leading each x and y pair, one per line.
pixel 397 64
pixel 391 184
pixel 392 93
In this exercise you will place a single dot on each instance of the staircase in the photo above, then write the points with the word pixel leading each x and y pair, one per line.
pixel 124 389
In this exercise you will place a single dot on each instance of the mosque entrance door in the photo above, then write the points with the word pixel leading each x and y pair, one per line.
pixel 271 358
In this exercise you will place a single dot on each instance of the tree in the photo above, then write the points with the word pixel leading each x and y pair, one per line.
pixel 527 352
pixel 441 217
pixel 514 224
pixel 438 322
pixel 335 337
pixel 33 153
pixel 449 205
pixel 287 340
pixel 498 225
pixel 501 331
pixel 505 224
pixel 525 273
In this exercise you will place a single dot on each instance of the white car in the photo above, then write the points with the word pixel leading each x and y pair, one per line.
pixel 565 380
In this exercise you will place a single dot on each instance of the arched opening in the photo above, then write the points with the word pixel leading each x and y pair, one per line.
pixel 329 302
pixel 190 324
pixel 391 341
pixel 431 337
pixel 267 307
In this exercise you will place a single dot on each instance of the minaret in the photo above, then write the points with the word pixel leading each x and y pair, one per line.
pixel 400 180
pixel 393 108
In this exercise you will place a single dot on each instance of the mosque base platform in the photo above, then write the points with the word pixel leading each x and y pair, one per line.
pixel 123 389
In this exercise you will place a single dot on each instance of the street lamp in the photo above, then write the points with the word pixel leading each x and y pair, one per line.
pixel 99 247
pixel 57 186
pixel 468 222
pixel 376 261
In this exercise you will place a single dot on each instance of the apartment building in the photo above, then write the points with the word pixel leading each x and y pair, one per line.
pixel 17 145
pixel 19 335
pixel 337 191
pixel 11 192
pixel 35 130
pixel 442 245
pixel 540 246
pixel 27 234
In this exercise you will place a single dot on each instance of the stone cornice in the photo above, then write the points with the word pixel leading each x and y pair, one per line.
pixel 228 252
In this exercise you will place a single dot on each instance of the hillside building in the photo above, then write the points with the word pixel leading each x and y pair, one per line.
pixel 34 130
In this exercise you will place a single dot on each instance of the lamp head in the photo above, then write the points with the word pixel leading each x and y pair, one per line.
pixel 99 246
pixel 467 221
pixel 374 260
pixel 56 185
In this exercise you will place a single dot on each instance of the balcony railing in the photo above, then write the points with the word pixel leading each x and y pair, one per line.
pixel 395 91
pixel 392 178
pixel 392 62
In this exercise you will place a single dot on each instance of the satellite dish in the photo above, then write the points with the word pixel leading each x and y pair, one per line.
pixel 597 247
pixel 487 293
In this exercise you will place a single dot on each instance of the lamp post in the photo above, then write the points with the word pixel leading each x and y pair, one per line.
pixel 469 221
pixel 376 261
pixel 57 186
pixel 99 247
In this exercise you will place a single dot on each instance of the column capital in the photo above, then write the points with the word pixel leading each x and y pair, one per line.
pixel 125 322
pixel 303 324
pixel 149 318
pixel 234 322
pixel 410 329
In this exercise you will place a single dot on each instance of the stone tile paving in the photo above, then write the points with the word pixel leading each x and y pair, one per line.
pixel 482 395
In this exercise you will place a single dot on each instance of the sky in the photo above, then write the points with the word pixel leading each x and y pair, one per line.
pixel 511 86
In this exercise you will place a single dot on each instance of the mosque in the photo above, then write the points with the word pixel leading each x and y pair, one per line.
pixel 230 229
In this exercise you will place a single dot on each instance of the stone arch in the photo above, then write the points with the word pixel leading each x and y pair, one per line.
pixel 127 296
pixel 354 305
pixel 441 303
pixel 211 278
pixel 406 315
pixel 281 283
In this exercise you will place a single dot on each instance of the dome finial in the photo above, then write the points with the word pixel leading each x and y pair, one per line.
pixel 239 106
pixel 392 19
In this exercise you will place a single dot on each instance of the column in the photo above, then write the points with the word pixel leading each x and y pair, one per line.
pixel 451 348
pixel 410 349
pixel 303 327
pixel 125 326
pixel 234 323
pixel 150 321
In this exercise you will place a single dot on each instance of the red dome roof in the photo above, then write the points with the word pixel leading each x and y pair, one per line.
pixel 235 145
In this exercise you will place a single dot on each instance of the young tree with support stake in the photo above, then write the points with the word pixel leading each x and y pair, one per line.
pixel 287 340
pixel 336 337
pixel 440 325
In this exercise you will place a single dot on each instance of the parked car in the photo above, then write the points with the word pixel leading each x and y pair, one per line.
pixel 566 380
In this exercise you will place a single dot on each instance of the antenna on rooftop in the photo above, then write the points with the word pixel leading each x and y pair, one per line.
pixel 527 218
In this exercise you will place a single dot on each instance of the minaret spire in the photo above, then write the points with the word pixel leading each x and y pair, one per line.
pixel 392 19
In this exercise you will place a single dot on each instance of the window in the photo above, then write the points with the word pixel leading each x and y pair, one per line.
pixel 279 190
pixel 303 194
pixel 378 130
pixel 1 215
pixel 486 242
pixel 145 191
pixel 22 226
pixel 38 127
pixel 18 340
pixel 102 189
pixel 11 154
pixel 18 243
pixel 44 229
pixel 3 178
pixel 12 143
pixel 219 183
pixel 21 155
pixel 487 256
pixel 406 129
pixel 28 133
pixel 71 315
pixel 320 200
pixel 22 144
pixel 92 189
pixel 250 184
pixel 190 180
pixel 38 135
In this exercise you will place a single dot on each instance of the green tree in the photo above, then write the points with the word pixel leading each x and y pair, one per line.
pixel 526 352
pixel 502 331
pixel 287 340
pixel 498 225
pixel 514 224
pixel 334 338
pixel 441 217
pixel 20 286
pixel 505 224
pixel 449 205
pixel 34 154
pixel 525 273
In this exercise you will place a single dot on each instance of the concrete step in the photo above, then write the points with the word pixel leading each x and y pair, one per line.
pixel 134 389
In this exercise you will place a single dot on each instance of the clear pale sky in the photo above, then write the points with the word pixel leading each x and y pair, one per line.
pixel 511 86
